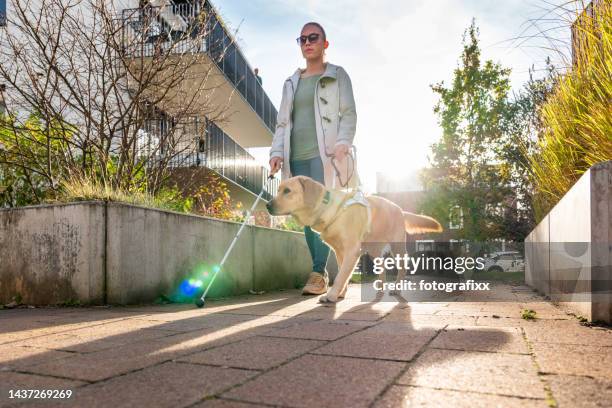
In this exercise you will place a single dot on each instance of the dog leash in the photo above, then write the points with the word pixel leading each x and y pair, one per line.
pixel 358 192
pixel 350 158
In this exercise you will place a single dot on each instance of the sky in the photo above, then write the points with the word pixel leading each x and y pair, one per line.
pixel 393 51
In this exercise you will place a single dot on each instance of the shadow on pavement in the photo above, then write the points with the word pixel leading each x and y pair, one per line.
pixel 177 355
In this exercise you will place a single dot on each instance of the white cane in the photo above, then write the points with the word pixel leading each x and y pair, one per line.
pixel 200 302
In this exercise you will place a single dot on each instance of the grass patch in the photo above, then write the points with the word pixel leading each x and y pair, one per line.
pixel 582 319
pixel 586 323
pixel 356 278
pixel 361 278
pixel 69 303
pixel 500 276
pixel 86 189
pixel 528 314
pixel 509 277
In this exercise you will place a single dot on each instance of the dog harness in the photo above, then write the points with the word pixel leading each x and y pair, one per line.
pixel 358 198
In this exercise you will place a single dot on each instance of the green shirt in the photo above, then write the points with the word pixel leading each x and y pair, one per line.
pixel 304 144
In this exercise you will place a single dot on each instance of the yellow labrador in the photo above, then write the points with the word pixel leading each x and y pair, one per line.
pixel 346 228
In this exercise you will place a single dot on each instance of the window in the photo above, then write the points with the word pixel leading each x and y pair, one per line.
pixel 424 245
pixel 2 13
pixel 229 62
pixel 146 144
pixel 455 218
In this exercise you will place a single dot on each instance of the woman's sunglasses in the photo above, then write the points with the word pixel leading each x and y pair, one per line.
pixel 312 38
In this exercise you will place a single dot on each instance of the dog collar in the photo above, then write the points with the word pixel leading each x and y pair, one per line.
pixel 333 219
pixel 326 197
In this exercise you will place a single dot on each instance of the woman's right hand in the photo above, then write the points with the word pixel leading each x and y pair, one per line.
pixel 275 164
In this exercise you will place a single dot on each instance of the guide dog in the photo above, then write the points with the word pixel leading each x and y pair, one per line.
pixel 348 229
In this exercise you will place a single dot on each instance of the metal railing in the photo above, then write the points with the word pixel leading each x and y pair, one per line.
pixel 178 28
pixel 204 144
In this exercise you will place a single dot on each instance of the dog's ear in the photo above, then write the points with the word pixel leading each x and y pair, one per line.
pixel 312 191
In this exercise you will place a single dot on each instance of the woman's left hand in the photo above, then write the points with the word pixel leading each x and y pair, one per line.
pixel 340 151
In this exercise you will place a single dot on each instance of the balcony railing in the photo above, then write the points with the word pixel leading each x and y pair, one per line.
pixel 204 144
pixel 175 27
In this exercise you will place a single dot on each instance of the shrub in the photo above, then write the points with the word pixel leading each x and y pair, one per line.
pixel 290 224
pixel 577 116
pixel 83 189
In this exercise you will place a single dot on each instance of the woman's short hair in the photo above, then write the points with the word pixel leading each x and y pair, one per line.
pixel 317 25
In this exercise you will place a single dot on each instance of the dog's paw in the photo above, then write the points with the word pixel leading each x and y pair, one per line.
pixel 328 298
pixel 394 292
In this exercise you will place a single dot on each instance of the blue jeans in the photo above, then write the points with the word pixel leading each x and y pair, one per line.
pixel 319 251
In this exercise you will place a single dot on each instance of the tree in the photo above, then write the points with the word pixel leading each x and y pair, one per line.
pixel 465 171
pixel 23 179
pixel 113 94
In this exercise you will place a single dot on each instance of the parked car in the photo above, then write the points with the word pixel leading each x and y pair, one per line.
pixel 508 261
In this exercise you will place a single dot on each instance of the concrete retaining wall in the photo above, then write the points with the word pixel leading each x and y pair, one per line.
pixel 50 254
pixel 569 254
pixel 95 253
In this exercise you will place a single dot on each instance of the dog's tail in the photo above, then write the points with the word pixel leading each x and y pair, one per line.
pixel 418 224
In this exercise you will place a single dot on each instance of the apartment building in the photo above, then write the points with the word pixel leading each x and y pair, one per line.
pixel 2 13
pixel 209 146
pixel 408 192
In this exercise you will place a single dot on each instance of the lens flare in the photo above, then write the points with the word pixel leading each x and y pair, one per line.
pixel 194 282
pixel 186 288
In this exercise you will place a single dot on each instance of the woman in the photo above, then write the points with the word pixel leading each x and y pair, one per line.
pixel 315 124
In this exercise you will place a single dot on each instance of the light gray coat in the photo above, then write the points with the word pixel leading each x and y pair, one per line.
pixel 335 119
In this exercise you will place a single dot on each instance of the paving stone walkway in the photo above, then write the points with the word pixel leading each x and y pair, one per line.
pixel 283 349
